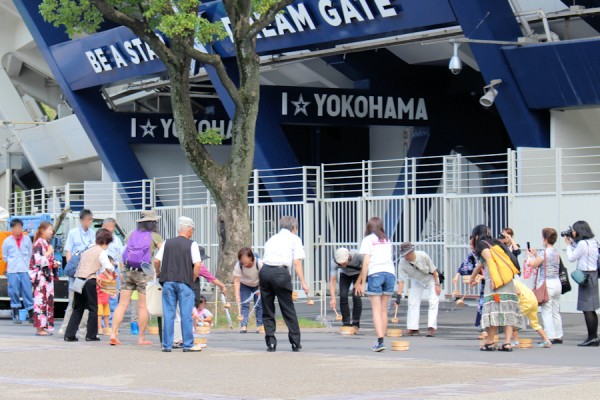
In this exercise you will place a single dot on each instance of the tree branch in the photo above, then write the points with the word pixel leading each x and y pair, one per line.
pixel 267 17
pixel 217 62
pixel 138 27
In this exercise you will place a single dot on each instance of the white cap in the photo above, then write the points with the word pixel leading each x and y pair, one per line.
pixel 341 255
pixel 185 221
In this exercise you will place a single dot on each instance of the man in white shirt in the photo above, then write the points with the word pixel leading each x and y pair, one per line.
pixel 281 252
pixel 423 275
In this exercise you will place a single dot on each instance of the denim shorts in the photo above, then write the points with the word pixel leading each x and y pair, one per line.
pixel 381 283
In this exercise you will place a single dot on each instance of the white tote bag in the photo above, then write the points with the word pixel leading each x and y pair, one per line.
pixel 154 298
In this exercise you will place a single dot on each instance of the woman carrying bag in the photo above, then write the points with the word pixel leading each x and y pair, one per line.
pixel 501 303
pixel 93 260
pixel 547 263
pixel 583 249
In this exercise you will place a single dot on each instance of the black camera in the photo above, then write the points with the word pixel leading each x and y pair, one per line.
pixel 502 236
pixel 567 233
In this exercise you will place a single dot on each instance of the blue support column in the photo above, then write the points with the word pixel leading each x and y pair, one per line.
pixel 108 136
pixel 494 20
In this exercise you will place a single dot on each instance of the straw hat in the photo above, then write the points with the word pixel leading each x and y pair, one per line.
pixel 149 215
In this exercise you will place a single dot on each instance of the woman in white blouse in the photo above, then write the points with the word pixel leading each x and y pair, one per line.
pixel 583 249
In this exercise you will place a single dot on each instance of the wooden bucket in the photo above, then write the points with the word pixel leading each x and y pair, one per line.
pixel 347 330
pixel 400 345
pixel 202 330
pixel 393 332
pixel 200 340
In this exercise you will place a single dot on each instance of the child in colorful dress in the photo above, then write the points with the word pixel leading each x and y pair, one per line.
pixel 201 315
pixel 106 288
pixel 529 307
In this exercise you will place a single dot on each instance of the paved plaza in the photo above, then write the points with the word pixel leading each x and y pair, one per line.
pixel 330 366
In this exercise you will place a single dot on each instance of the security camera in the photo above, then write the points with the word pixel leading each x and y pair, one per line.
pixel 490 93
pixel 455 64
pixel 488 98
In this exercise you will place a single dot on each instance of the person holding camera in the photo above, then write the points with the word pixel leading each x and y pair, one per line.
pixel 583 249
pixel 548 263
pixel 507 239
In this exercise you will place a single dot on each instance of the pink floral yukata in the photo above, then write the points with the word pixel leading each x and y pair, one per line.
pixel 42 274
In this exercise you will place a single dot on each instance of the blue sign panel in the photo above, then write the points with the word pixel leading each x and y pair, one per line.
pixel 348 107
pixel 106 57
pixel 320 23
pixel 118 55
pixel 570 77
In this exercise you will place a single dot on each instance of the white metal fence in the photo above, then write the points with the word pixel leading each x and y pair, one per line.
pixel 433 202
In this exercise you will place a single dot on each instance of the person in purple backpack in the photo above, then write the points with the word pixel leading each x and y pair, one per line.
pixel 140 247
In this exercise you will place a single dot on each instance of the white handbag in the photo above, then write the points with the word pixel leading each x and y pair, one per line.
pixel 154 298
pixel 78 285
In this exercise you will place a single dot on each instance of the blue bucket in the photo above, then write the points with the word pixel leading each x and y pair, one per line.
pixel 23 315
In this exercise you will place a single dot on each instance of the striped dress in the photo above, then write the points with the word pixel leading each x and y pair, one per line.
pixel 500 306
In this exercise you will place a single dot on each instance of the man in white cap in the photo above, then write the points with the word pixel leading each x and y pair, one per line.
pixel 417 267
pixel 349 264
pixel 140 245
pixel 178 265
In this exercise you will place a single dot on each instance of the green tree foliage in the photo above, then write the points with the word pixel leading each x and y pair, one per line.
pixel 180 22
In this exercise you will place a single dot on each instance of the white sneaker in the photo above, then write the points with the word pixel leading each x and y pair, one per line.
pixel 194 349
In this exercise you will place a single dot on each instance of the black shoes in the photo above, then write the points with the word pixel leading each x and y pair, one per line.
pixel 166 350
pixel 16 318
pixel 296 348
pixel 556 341
pixel 71 339
pixel 92 339
pixel 271 348
pixel 595 342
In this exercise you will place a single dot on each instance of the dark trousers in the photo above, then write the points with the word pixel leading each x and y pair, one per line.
pixel 87 300
pixel 277 282
pixel 345 283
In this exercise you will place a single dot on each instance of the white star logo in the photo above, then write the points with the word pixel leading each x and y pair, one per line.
pixel 301 106
pixel 148 128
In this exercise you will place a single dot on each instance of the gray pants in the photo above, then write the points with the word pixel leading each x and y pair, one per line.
pixel 69 312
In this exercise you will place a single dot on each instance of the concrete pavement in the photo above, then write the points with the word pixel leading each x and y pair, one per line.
pixel 331 366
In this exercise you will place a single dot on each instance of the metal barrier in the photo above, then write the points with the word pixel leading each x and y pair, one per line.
pixel 433 202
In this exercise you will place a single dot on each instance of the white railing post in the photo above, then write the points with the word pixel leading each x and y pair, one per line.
pixel 559 188
pixel 511 189
pixel 180 205
pixel 42 201
pixel 445 175
pixel 413 175
pixel 304 183
pixel 153 194
pixel 15 204
pixel 67 195
pixel 369 179
pixel 144 193
pixel 459 186
pixel 256 186
pixel 114 197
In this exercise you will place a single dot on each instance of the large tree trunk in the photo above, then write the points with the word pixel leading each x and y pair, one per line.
pixel 234 229
pixel 227 183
